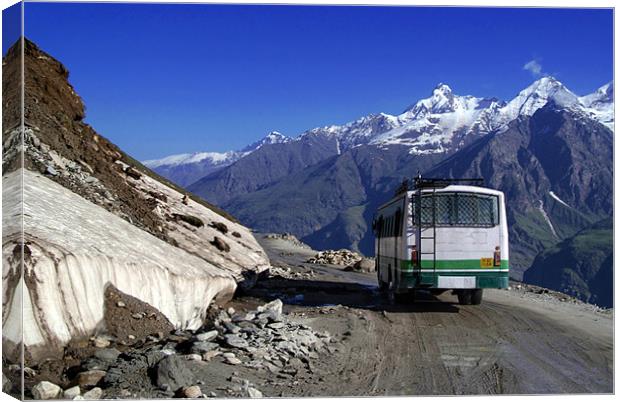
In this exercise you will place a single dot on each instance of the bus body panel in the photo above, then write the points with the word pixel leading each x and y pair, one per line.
pixel 462 253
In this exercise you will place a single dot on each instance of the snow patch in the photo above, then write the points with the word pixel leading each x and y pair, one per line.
pixel 555 197
pixel 544 214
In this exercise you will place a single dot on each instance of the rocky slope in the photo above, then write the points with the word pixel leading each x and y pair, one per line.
pixel 583 264
pixel 94 218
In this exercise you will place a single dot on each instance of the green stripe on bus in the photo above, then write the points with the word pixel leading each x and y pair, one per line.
pixel 407 265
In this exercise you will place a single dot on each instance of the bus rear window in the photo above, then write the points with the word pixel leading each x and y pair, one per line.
pixel 460 209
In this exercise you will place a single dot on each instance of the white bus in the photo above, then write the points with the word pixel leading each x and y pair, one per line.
pixel 442 235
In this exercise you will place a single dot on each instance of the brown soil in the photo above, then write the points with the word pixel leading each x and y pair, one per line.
pixel 129 319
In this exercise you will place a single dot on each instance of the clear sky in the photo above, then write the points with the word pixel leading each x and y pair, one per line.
pixel 165 79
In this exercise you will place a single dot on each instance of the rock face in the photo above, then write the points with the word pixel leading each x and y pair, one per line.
pixel 95 217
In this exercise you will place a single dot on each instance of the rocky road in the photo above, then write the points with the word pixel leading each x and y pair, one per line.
pixel 308 329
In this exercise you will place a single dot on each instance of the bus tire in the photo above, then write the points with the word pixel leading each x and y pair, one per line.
pixel 464 297
pixel 476 296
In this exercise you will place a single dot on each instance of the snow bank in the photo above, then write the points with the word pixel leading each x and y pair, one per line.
pixel 74 248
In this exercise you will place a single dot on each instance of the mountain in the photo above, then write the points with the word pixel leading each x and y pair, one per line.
pixel 581 266
pixel 185 169
pixel 547 148
pixel 88 221
pixel 555 168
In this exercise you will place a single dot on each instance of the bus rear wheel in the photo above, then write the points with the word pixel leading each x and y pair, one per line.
pixel 476 296
pixel 473 296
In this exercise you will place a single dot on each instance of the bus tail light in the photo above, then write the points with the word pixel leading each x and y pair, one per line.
pixel 497 257
pixel 414 256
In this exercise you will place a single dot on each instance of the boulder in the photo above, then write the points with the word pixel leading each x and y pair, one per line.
pixel 71 393
pixel 175 372
pixel 95 393
pixel 46 390
pixel 90 377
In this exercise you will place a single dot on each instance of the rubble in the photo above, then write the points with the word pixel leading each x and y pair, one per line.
pixel 335 257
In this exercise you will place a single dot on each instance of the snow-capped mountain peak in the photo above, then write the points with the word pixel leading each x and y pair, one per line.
pixel 600 104
pixel 273 137
pixel 538 94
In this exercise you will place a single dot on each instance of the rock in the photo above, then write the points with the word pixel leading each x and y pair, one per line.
pixel 101 342
pixel 210 355
pixel 232 328
pixel 46 390
pixel 230 311
pixel 207 336
pixel 219 226
pixel 137 316
pixel 51 171
pixel 192 392
pixel 254 393
pixel 78 398
pixel 276 325
pixel 243 317
pixel 194 356
pixel 133 173
pixel 236 234
pixel 363 265
pixel 203 347
pixel 90 378
pixel 107 355
pixel 233 361
pixel 271 310
pixel 175 372
pixel 235 341
pixel 220 244
pixel 71 393
pixel 132 337
pixel 28 372
pixel 228 354
pixel 95 393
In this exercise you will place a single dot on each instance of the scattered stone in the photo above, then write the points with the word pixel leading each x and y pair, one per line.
pixel 78 398
pixel 193 356
pixel 51 171
pixel 289 238
pixel 236 234
pixel 230 311
pixel 254 393
pixel 101 342
pixel 235 341
pixel 233 361
pixel 228 354
pixel 137 316
pixel 207 336
pixel 363 265
pixel 46 390
pixel 95 393
pixel 90 378
pixel 29 372
pixel 175 372
pixel 210 355
pixel 133 173
pixel 276 325
pixel 203 347
pixel 192 392
pixel 132 337
pixel 72 392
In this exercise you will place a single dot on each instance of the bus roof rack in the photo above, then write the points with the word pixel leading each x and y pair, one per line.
pixel 423 182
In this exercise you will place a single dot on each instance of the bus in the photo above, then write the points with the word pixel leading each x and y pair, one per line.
pixel 440 235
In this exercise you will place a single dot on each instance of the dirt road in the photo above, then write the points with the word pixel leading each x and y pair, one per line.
pixel 514 343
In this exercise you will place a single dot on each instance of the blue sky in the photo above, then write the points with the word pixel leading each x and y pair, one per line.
pixel 164 79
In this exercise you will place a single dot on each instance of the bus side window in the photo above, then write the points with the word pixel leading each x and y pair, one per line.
pixel 397 226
